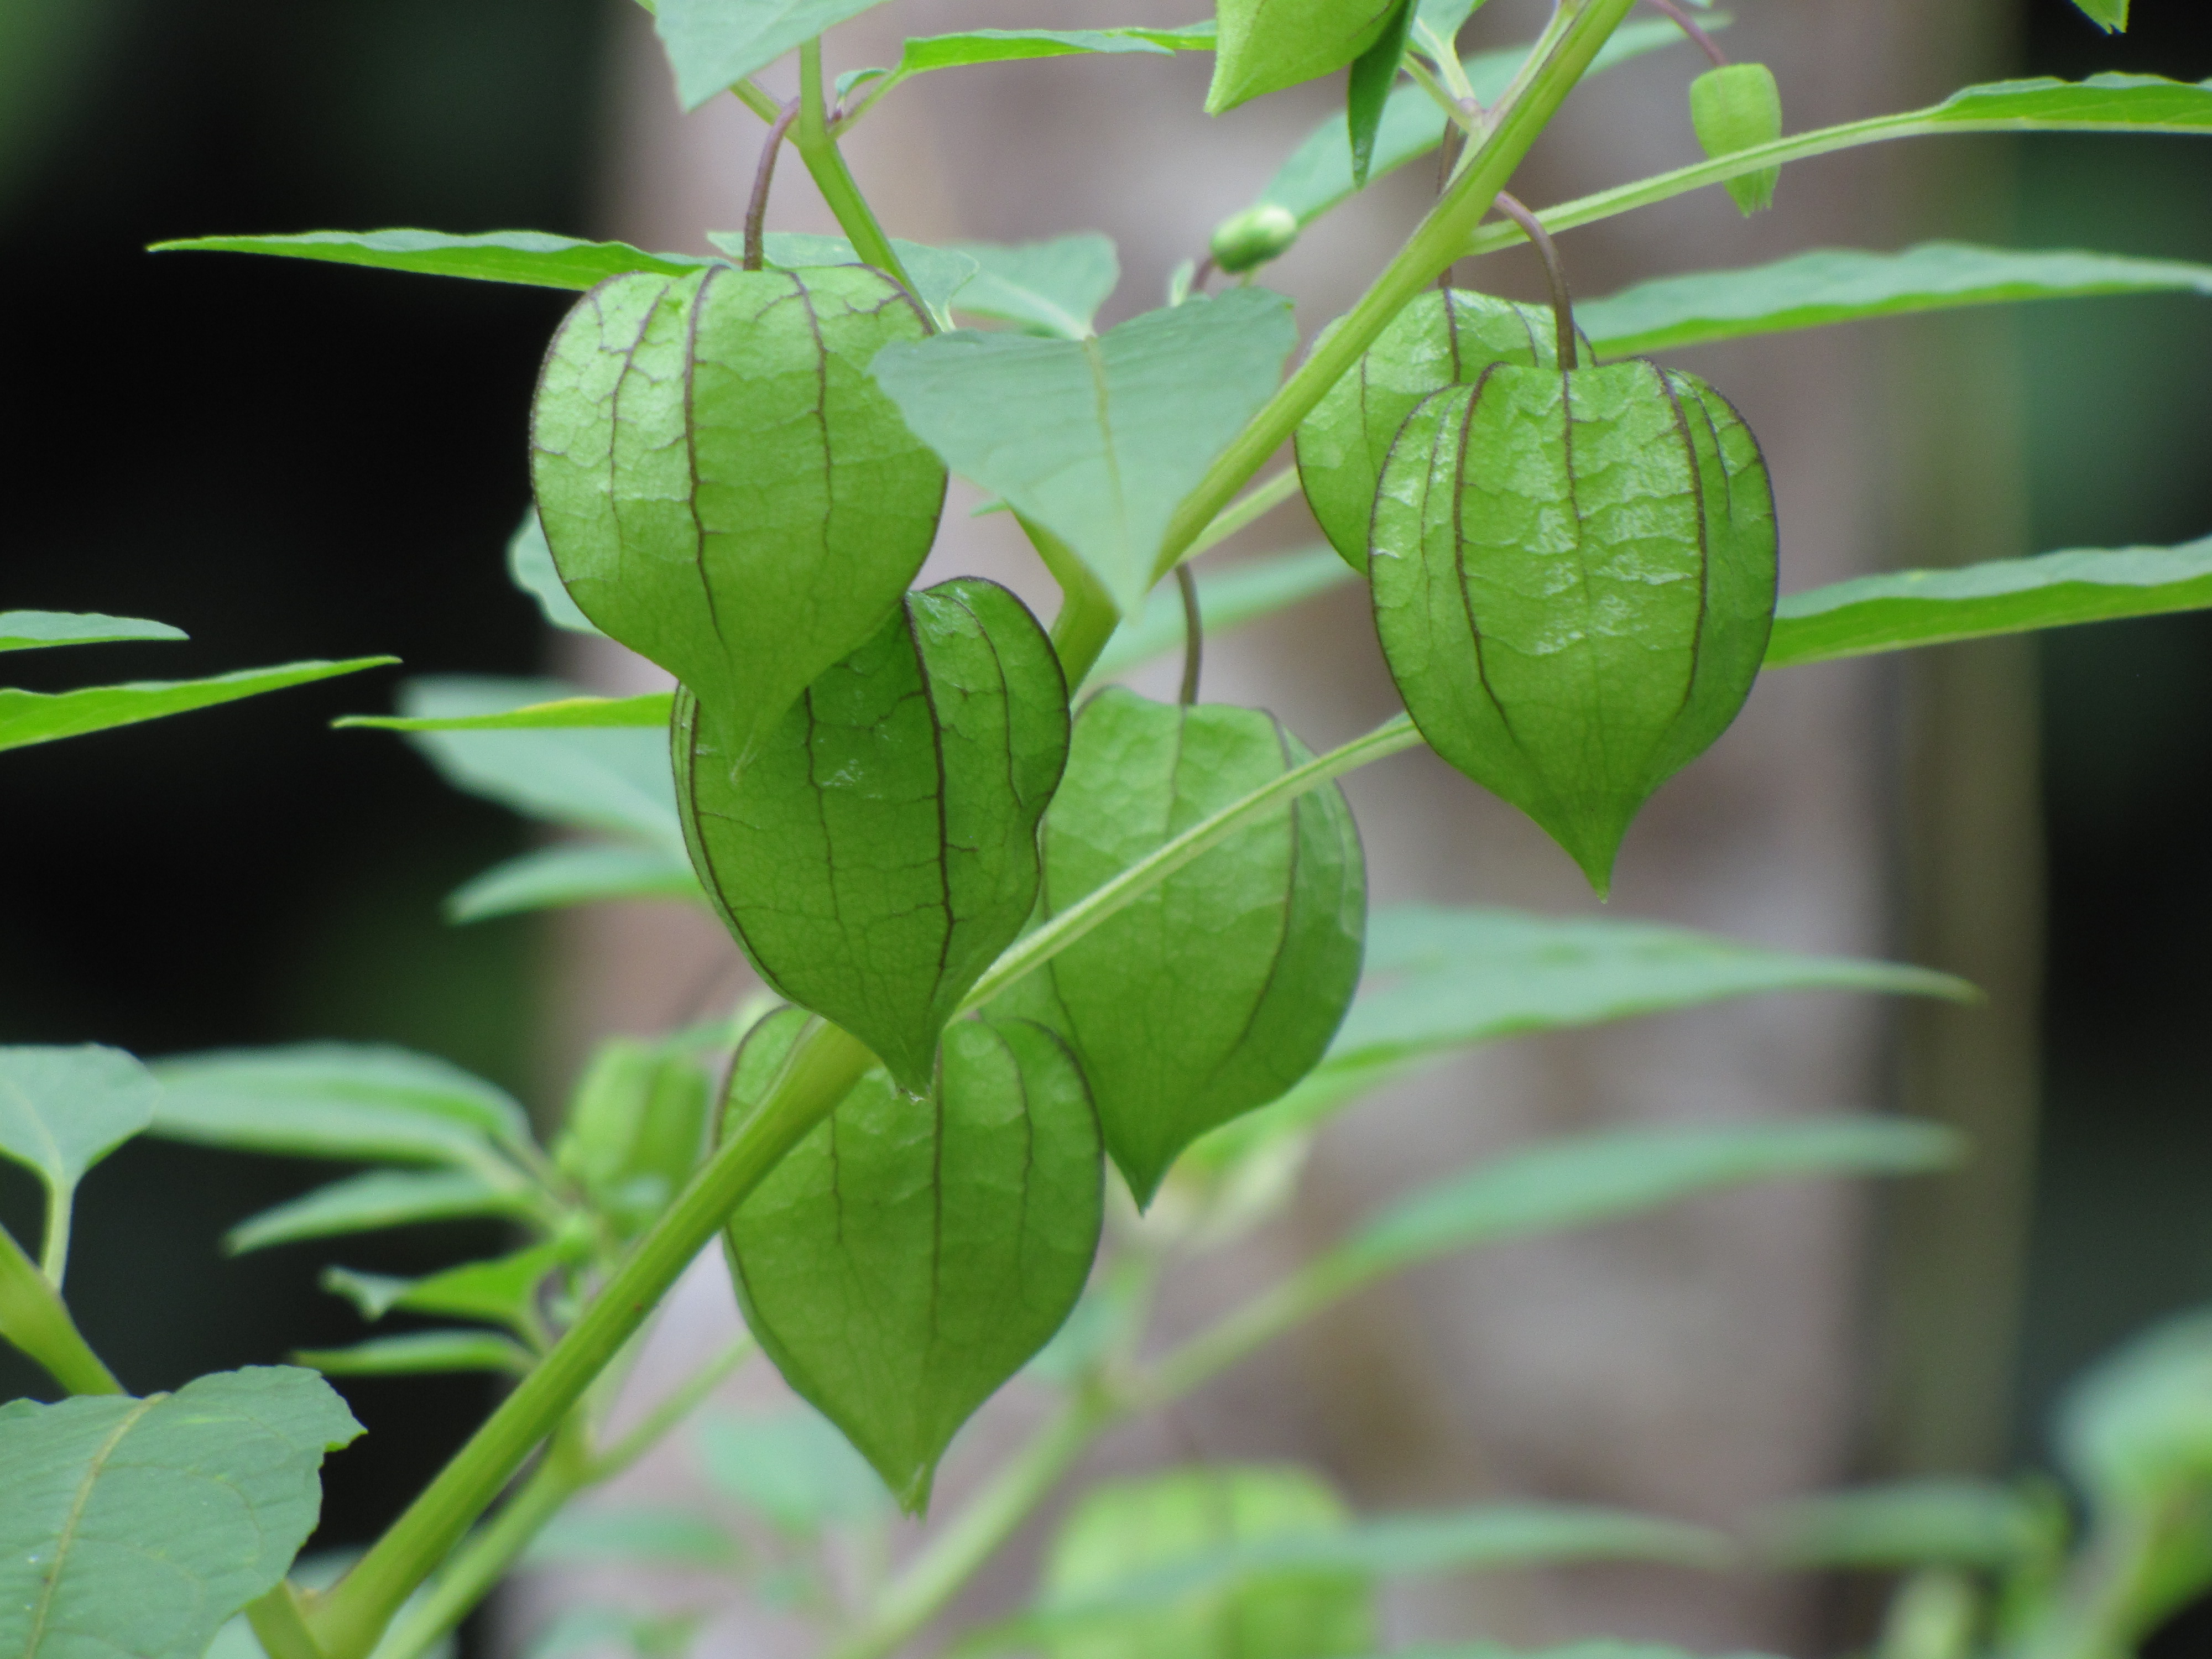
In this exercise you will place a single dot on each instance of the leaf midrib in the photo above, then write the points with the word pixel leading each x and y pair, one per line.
pixel 64 1539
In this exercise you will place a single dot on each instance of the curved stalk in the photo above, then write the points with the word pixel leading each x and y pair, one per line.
pixel 818 150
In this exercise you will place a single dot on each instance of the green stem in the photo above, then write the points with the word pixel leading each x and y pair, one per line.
pixel 936 1576
pixel 280 1625
pixel 1087 617
pixel 33 1317
pixel 1468 121
pixel 834 179
pixel 1267 1315
pixel 54 1253
pixel 1038 948
pixel 348 1622
pixel 1260 500
pixel 1578 30
pixel 611 1460
pixel 479 1565
pixel 756 100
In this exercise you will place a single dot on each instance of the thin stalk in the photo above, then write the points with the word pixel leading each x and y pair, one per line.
pixel 1577 29
pixel 1691 27
pixel 350 1619
pixel 936 1576
pixel 53 1252
pixel 478 1566
pixel 755 99
pixel 834 181
pixel 1087 615
pixel 280 1626
pixel 1194 633
pixel 1282 1307
pixel 1253 504
pixel 1563 300
pixel 33 1317
pixel 1039 947
pixel 611 1461
pixel 1455 109
pixel 763 180
pixel 1445 55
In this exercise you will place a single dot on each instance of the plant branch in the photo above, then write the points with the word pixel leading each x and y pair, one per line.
pixel 279 1624
pixel 756 100
pixel 33 1317
pixel 763 180
pixel 1096 907
pixel 1467 120
pixel 349 1620
pixel 53 1251
pixel 818 150
pixel 1577 29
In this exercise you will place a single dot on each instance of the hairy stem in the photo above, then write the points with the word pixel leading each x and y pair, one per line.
pixel 827 163
pixel 763 180
pixel 1579 28
pixel 348 1622
pixel 33 1317
pixel 1039 947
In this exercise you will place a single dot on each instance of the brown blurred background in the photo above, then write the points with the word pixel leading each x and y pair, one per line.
pixel 289 460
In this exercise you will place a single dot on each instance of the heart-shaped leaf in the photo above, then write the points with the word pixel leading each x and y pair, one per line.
pixel 712 43
pixel 725 490
pixel 64 1109
pixel 139 1526
pixel 1440 340
pixel 1573 578
pixel 1219 988
pixel 1265 45
pixel 913 1252
pixel 882 848
pixel 1098 441
pixel 1053 287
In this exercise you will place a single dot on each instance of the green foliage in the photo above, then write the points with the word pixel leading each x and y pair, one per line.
pixel 914 1251
pixel 530 567
pixel 1227 598
pixel 724 488
pixel 638 1126
pixel 1440 340
pixel 30 630
pixel 528 256
pixel 712 43
pixel 1131 1529
pixel 938 51
pixel 641 1534
pixel 1736 107
pixel 1053 288
pixel 1911 1523
pixel 421 1353
pixel 1842 285
pixel 880 850
pixel 139 1526
pixel 1573 579
pixel 383 1198
pixel 1367 91
pixel 64 1109
pixel 29 717
pixel 1265 45
pixel 1903 607
pixel 2108 14
pixel 1096 441
pixel 1218 990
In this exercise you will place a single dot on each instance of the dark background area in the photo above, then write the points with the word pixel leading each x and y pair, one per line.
pixel 291 460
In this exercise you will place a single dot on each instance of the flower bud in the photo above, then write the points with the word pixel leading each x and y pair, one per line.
pixel 1737 107
pixel 1254 237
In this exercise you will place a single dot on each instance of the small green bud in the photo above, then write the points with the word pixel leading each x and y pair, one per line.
pixel 1254 237
pixel 1735 108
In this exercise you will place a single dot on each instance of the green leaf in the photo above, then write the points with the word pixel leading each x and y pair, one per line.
pixel 1913 1523
pixel 1220 987
pixel 1439 340
pixel 1441 979
pixel 881 850
pixel 1318 174
pixel 1905 608
pixel 792 1468
pixel 1584 1180
pixel 712 44
pixel 139 1526
pixel 421 1353
pixel 528 256
pixel 936 272
pixel 530 567
pixel 1137 1530
pixel 1265 45
pixel 30 630
pixel 555 877
pixel 616 780
pixel 502 1290
pixel 338 1101
pixel 369 1203
pixel 1574 580
pixel 642 1534
pixel 1374 73
pixel 2145 104
pixel 724 487
pixel 1227 598
pixel 936 51
pixel 913 1252
pixel 1098 441
pixel 1842 285
pixel 35 1319
pixel 2106 14
pixel 648 709
pixel 28 717
pixel 62 1110
pixel 1052 289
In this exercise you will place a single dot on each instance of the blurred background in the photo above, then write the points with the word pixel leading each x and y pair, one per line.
pixel 292 461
